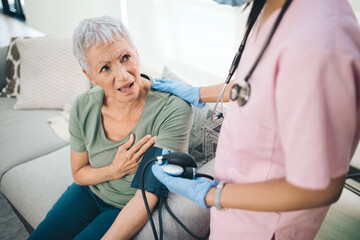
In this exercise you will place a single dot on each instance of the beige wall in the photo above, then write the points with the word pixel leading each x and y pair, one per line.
pixel 60 17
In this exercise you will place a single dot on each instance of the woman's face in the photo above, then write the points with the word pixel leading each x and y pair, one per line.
pixel 115 68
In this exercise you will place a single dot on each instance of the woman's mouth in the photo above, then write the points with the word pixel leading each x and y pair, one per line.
pixel 127 88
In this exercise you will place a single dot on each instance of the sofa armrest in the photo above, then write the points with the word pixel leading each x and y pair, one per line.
pixel 3 53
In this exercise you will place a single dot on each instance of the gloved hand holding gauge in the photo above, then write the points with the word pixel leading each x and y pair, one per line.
pixel 193 189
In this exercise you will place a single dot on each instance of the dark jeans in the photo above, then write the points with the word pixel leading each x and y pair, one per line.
pixel 78 214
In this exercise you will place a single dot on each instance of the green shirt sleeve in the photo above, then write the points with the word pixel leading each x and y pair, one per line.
pixel 76 137
pixel 175 128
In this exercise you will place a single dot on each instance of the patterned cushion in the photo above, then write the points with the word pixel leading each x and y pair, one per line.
pixel 51 77
pixel 12 87
pixel 204 133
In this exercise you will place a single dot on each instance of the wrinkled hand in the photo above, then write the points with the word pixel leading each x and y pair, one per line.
pixel 189 94
pixel 127 159
pixel 194 190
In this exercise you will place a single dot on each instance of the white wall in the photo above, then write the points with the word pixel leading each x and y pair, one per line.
pixel 60 17
pixel 195 38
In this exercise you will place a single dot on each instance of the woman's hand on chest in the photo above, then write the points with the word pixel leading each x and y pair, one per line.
pixel 128 156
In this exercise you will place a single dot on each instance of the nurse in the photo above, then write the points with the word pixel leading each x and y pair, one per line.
pixel 282 157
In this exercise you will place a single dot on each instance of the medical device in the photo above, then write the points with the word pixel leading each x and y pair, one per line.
pixel 178 164
pixel 241 92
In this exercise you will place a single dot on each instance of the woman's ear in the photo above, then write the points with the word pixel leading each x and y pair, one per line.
pixel 89 77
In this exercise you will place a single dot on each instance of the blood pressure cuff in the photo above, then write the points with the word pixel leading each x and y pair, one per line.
pixel 151 183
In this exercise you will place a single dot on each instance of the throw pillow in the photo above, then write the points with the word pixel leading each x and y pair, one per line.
pixel 204 132
pixel 204 135
pixel 51 77
pixel 12 87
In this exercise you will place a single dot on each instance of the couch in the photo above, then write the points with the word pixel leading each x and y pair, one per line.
pixel 35 162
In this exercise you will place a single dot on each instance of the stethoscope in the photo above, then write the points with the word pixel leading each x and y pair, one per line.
pixel 241 92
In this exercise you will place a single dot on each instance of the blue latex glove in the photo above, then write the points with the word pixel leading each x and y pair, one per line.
pixel 194 190
pixel 189 94
pixel 165 151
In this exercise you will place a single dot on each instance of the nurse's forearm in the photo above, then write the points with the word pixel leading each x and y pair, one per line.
pixel 211 93
pixel 275 196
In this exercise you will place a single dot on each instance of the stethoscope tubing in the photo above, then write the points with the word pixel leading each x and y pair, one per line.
pixel 269 38
pixel 220 99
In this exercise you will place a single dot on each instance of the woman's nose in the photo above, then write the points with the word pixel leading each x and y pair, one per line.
pixel 120 73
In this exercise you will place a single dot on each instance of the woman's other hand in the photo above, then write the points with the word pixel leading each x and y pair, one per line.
pixel 189 94
pixel 127 158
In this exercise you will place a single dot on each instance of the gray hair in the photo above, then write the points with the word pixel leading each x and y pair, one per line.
pixel 95 31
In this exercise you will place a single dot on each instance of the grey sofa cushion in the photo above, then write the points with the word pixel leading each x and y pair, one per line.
pixel 34 187
pixel 25 135
pixel 208 168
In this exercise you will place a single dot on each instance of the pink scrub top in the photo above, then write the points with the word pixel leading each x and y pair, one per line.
pixel 302 120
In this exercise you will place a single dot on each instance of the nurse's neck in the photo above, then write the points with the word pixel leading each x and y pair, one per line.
pixel 270 7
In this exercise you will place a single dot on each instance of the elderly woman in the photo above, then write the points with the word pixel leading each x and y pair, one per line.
pixel 111 127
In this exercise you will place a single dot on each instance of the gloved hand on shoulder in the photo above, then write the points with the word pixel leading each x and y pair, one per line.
pixel 194 190
pixel 189 94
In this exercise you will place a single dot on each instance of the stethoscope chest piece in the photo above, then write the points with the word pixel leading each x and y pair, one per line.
pixel 241 93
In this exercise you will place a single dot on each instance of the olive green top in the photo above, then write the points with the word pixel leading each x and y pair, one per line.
pixel 164 115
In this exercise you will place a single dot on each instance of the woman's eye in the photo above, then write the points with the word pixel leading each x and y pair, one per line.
pixel 125 58
pixel 104 68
